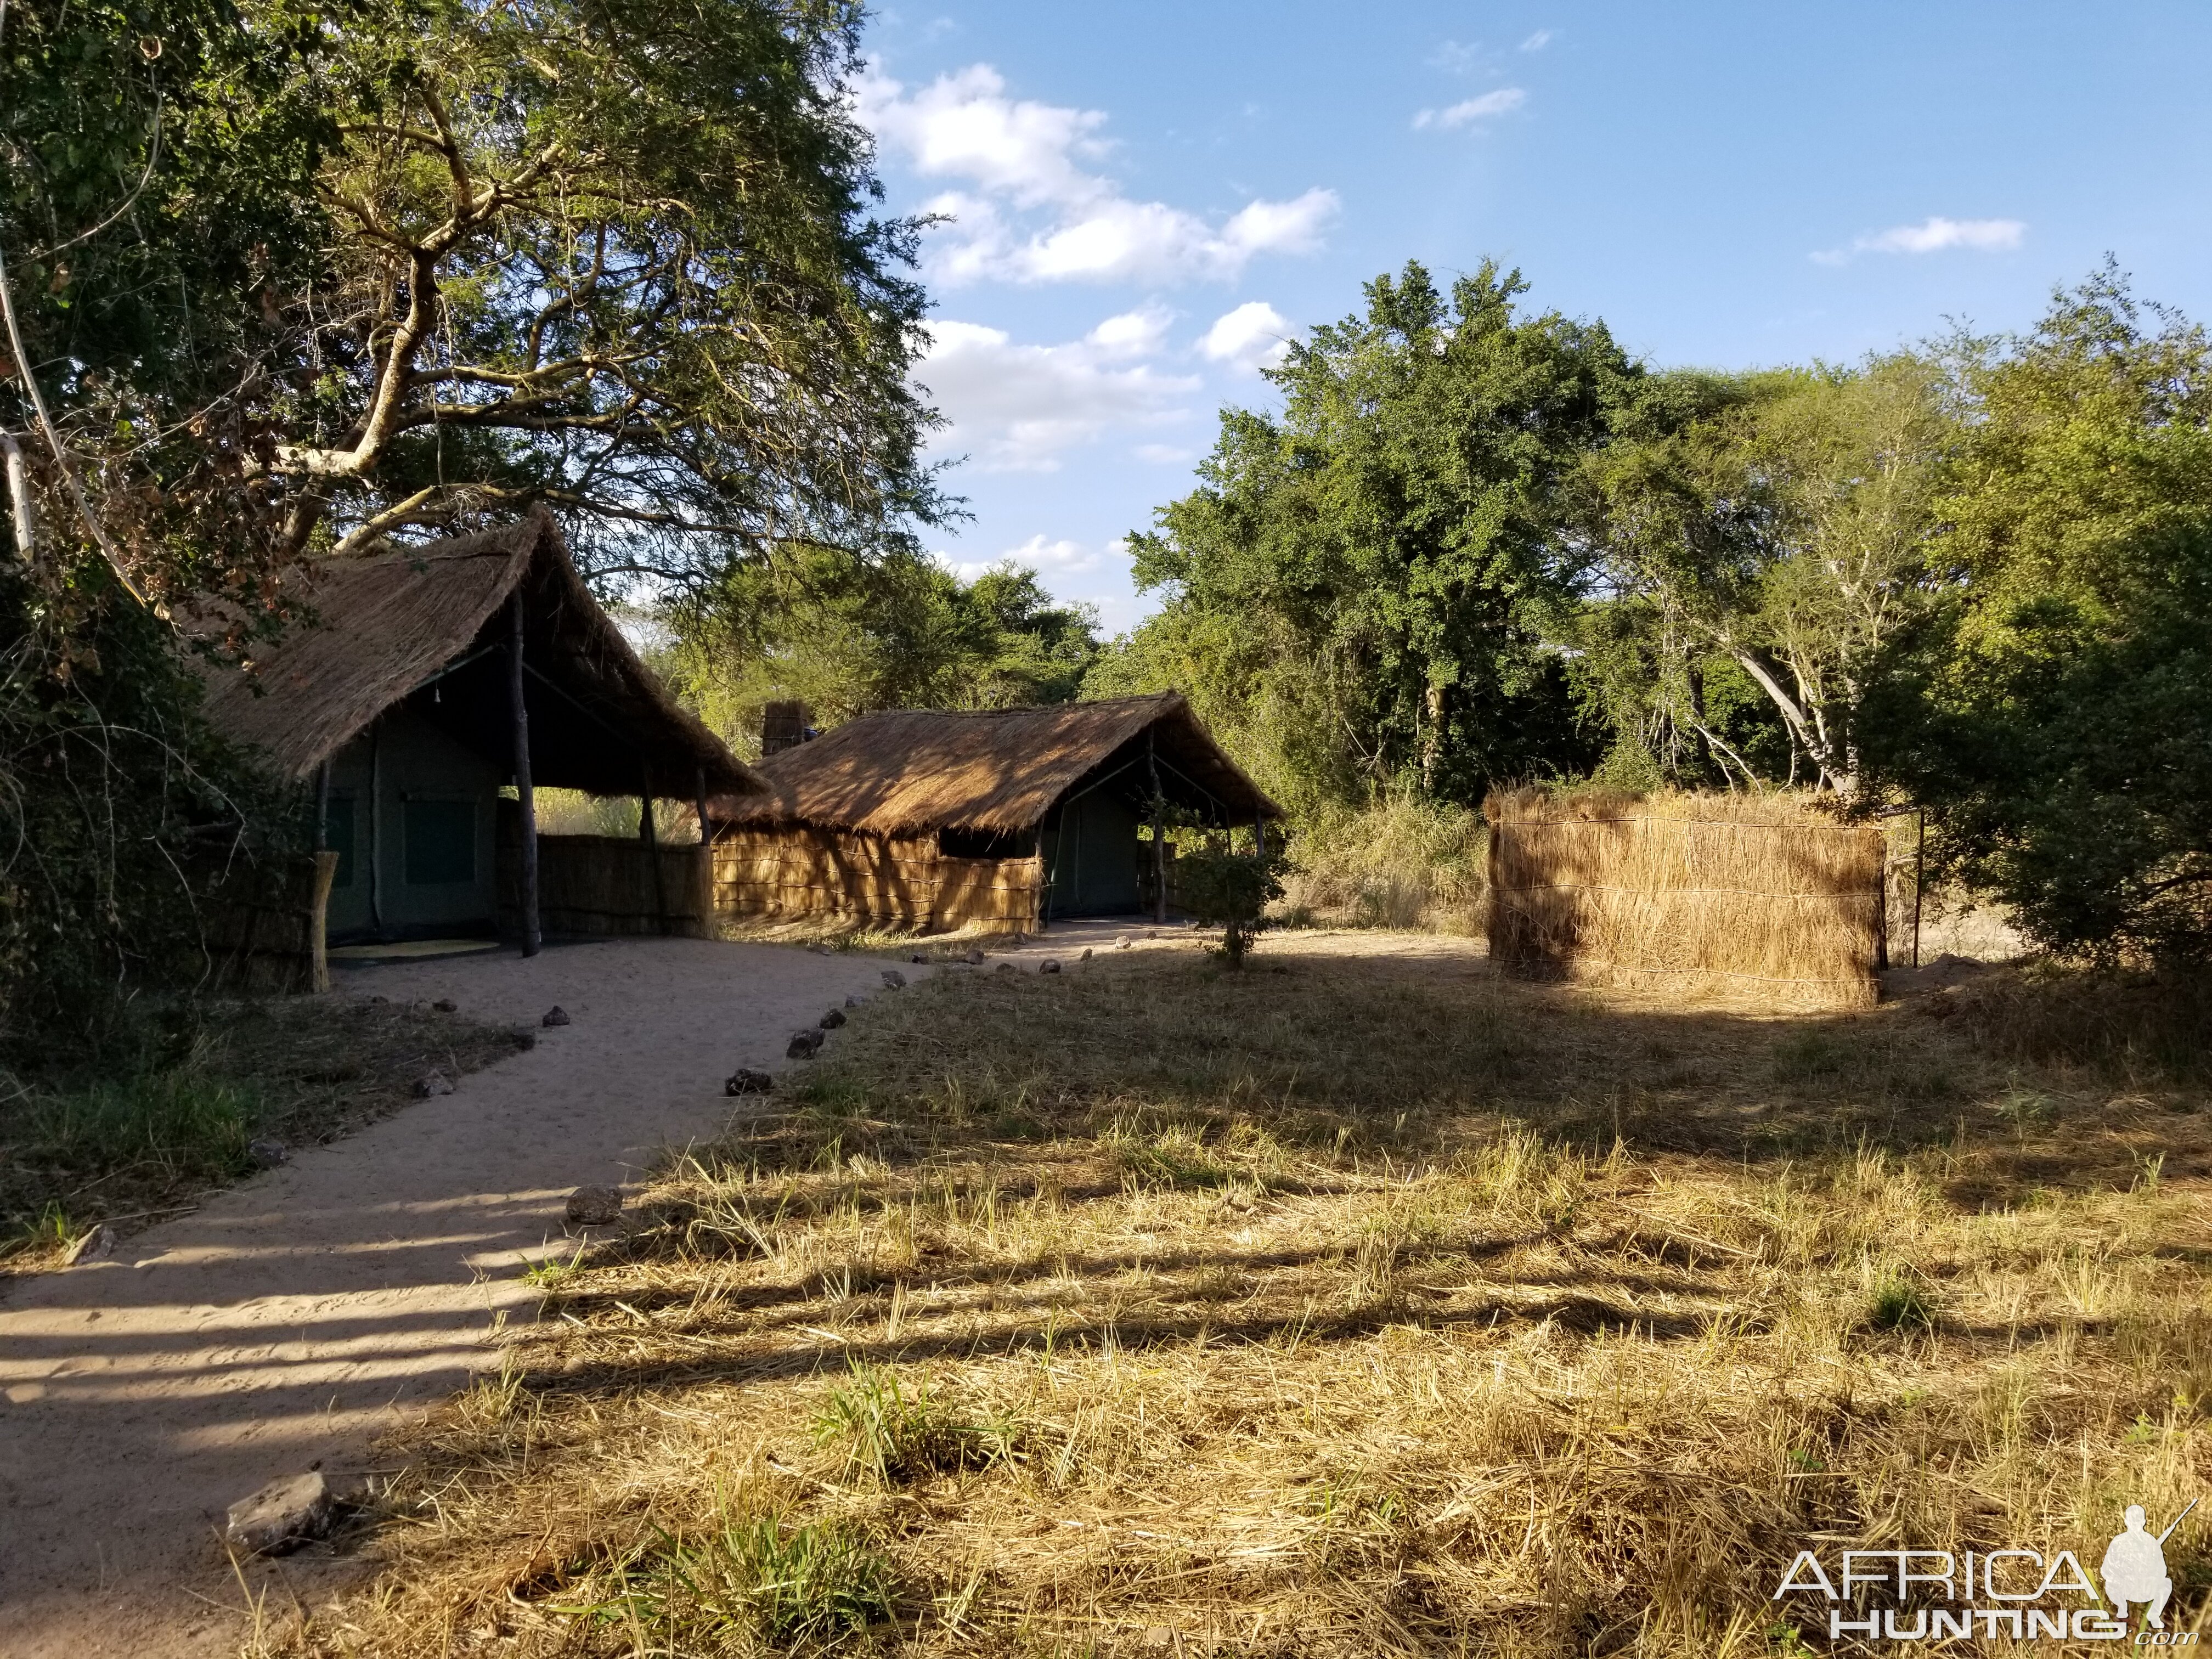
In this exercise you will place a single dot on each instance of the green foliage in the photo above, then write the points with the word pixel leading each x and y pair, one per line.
pixel 1231 891
pixel 1897 1303
pixel 2058 714
pixel 1357 591
pixel 116 803
pixel 1398 861
pixel 755 1579
pixel 846 639
pixel 895 1435
pixel 1762 543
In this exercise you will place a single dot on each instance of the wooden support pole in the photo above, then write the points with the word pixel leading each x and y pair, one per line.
pixel 1159 838
pixel 525 797
pixel 645 833
pixel 706 854
pixel 323 807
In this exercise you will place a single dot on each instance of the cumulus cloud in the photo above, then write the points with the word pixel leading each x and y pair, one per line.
pixel 1490 106
pixel 1253 335
pixel 1935 234
pixel 1031 207
pixel 1019 408
pixel 1053 557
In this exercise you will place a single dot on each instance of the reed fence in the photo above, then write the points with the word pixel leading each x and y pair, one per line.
pixel 1767 899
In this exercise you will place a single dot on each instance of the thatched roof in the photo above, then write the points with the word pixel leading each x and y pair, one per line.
pixel 389 629
pixel 999 771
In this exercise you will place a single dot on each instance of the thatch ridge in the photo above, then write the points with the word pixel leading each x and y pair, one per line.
pixel 384 624
pixel 999 771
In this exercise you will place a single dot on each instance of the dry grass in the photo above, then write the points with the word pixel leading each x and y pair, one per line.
pixel 1356 1306
pixel 169 1117
pixel 1399 863
pixel 1759 898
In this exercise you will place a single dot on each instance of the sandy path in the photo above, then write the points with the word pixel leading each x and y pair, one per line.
pixel 295 1317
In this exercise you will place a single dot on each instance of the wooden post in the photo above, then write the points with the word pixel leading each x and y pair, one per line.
pixel 1159 837
pixel 376 826
pixel 1919 864
pixel 652 845
pixel 323 807
pixel 525 797
pixel 706 854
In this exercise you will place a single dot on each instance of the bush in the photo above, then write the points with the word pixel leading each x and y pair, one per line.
pixel 1400 861
pixel 1232 891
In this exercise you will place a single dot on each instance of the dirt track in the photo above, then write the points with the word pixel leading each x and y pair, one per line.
pixel 290 1320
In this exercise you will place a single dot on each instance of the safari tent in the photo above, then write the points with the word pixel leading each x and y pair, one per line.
pixel 430 683
pixel 1009 818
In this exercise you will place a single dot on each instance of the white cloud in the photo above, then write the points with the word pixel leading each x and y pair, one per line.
pixel 1502 102
pixel 1935 234
pixel 1456 58
pixel 1538 41
pixel 1051 557
pixel 1253 335
pixel 1031 158
pixel 1016 408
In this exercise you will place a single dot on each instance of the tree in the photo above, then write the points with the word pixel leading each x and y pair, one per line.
pixel 1360 589
pixel 846 639
pixel 1770 529
pixel 2059 720
pixel 614 255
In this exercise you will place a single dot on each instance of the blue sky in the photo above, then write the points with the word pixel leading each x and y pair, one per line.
pixel 1148 196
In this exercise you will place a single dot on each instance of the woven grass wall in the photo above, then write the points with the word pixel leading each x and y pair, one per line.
pixel 892 881
pixel 1765 899
pixel 605 886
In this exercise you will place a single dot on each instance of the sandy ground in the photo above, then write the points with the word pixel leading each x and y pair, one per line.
pixel 293 1319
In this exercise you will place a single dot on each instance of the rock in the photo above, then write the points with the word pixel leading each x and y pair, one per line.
pixel 268 1154
pixel 1006 967
pixel 433 1083
pixel 595 1207
pixel 447 1005
pixel 1085 957
pixel 282 1515
pixel 745 1081
pixel 804 1045
pixel 557 1015
pixel 917 956
pixel 1121 941
pixel 851 1002
pixel 818 949
pixel 894 979
pixel 95 1246
pixel 974 958
pixel 1152 933
pixel 833 1020
pixel 1050 965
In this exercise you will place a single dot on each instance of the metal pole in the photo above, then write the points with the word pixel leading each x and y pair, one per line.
pixel 526 796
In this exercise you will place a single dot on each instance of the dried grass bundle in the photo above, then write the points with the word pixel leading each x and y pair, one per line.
pixel 1767 899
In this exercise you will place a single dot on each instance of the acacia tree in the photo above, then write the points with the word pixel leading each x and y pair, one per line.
pixel 1779 524
pixel 613 255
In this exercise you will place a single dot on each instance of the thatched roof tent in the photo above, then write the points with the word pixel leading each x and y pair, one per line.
pixel 429 626
pixel 999 771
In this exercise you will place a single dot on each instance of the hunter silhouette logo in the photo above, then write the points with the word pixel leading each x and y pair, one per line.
pixel 2134 1568
pixel 1935 1595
